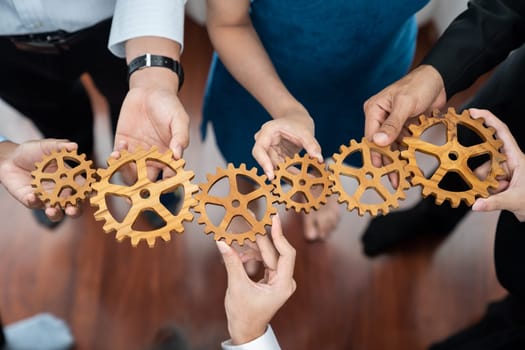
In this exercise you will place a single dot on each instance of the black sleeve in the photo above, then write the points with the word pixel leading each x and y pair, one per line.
pixel 477 40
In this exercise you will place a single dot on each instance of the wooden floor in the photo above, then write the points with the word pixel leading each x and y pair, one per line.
pixel 116 297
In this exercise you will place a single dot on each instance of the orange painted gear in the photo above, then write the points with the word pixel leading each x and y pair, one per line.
pixel 302 183
pixel 453 157
pixel 368 177
pixel 235 204
pixel 144 195
pixel 66 176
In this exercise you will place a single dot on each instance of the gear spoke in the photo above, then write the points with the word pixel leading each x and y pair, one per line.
pixel 478 150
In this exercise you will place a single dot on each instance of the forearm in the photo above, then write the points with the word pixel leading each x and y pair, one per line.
pixel 243 54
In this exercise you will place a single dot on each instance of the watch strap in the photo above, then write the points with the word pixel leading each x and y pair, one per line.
pixel 149 60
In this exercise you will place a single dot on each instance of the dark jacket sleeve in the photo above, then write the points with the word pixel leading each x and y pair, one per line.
pixel 477 40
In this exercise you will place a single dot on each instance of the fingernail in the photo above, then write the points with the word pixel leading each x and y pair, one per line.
pixel 177 151
pixel 380 138
pixel 223 247
pixel 269 176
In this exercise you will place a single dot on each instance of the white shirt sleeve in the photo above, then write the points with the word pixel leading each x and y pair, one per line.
pixel 267 341
pixel 136 18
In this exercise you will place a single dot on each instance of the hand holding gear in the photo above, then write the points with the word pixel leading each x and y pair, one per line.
pixel 454 157
pixel 144 195
pixel 63 178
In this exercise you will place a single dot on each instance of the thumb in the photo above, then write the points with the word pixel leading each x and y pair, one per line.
pixel 496 202
pixel 232 261
pixel 391 127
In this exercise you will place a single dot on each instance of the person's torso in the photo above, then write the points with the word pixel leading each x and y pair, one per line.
pixel 41 16
pixel 333 36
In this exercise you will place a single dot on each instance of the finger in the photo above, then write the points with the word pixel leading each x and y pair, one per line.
pixel 286 262
pixel 232 262
pixel 72 211
pixel 374 117
pixel 393 124
pixel 262 157
pixel 483 170
pixel 501 128
pixel 33 202
pixel 500 201
pixel 54 214
pixel 52 145
pixel 269 254
pixel 393 176
pixel 313 148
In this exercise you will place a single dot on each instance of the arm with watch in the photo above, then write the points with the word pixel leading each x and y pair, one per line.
pixel 149 34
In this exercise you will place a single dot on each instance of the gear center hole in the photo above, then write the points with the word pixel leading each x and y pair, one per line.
pixel 302 182
pixel 236 203
pixel 453 156
pixel 63 176
pixel 369 176
pixel 145 194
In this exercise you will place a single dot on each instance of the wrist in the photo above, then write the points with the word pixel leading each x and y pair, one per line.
pixel 245 333
pixel 155 78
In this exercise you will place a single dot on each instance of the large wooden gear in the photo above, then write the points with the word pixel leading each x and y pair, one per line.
pixel 368 177
pixel 236 204
pixel 144 195
pixel 63 178
pixel 453 157
pixel 302 183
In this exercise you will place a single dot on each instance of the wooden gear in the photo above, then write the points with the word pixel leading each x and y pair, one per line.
pixel 453 157
pixel 75 176
pixel 235 204
pixel 368 177
pixel 302 183
pixel 144 195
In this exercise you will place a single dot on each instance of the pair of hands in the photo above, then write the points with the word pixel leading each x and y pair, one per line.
pixel 423 90
pixel 251 305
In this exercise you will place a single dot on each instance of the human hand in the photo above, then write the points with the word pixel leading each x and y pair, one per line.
pixel 510 194
pixel 386 113
pixel 16 164
pixel 251 305
pixel 285 136
pixel 152 114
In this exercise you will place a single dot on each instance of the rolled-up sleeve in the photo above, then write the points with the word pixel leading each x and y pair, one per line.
pixel 267 341
pixel 137 18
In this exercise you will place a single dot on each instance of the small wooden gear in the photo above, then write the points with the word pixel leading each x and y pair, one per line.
pixel 303 183
pixel 368 177
pixel 453 157
pixel 63 177
pixel 236 204
pixel 144 195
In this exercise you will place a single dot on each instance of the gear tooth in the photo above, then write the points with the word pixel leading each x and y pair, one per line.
pixel 151 242
pixel 438 200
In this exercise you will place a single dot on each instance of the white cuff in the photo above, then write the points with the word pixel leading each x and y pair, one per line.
pixel 267 341
pixel 137 18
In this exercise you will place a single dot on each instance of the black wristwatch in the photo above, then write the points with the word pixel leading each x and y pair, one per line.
pixel 149 60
